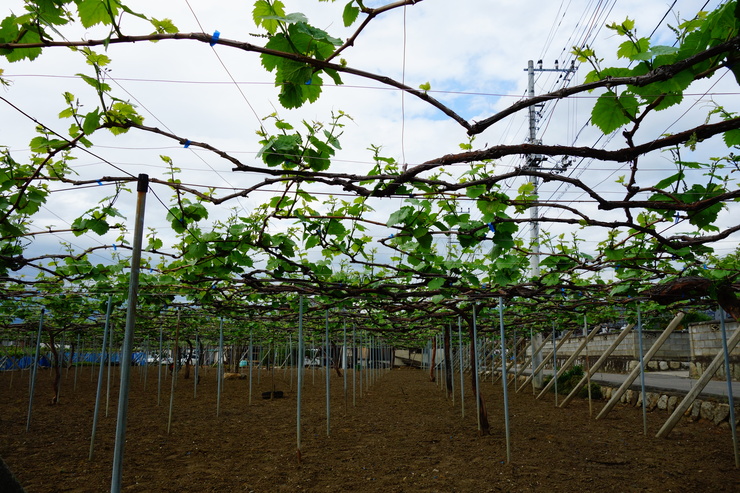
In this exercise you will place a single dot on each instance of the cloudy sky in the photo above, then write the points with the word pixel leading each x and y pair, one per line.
pixel 473 54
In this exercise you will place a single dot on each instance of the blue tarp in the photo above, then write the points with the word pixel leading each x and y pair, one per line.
pixel 25 362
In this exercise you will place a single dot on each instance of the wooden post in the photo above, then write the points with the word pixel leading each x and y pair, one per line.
pixel 547 358
pixel 527 361
pixel 570 361
pixel 597 365
pixel 699 386
pixel 633 374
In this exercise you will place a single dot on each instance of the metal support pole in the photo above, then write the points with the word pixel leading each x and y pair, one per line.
pixel 328 383
pixel 477 368
pixel 301 353
pixel 462 373
pixel 504 382
pixel 159 368
pixel 643 394
pixel 730 398
pixel 98 393
pixel 220 377
pixel 128 341
pixel 251 364
pixel 35 369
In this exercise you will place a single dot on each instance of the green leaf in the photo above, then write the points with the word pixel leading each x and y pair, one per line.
pixel 436 283
pixel 350 13
pixel 93 12
pixel 11 33
pixel 610 113
pixel 475 191
pixel 635 51
pixel 732 137
pixel 164 26
pixel 665 183
pixel 399 217
pixel 266 15
pixel 91 122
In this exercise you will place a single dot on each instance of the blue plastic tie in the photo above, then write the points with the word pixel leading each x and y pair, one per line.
pixel 100 182
pixel 677 217
pixel 214 38
pixel 114 246
pixel 705 266
pixel 308 82
pixel 492 227
pixel 187 143
pixel 391 236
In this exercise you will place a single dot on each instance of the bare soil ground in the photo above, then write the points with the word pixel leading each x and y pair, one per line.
pixel 403 435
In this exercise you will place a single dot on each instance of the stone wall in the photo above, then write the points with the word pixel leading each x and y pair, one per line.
pixel 710 410
pixel 707 409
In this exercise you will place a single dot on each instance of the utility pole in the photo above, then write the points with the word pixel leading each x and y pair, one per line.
pixel 533 162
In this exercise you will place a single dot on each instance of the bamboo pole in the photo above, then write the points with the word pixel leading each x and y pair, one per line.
pixel 633 374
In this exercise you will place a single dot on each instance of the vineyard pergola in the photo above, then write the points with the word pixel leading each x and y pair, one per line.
pixel 400 251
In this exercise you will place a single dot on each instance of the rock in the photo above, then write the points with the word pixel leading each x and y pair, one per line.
pixel 235 376
pixel 674 365
pixel 652 365
pixel 607 391
pixel 707 410
pixel 721 412
pixel 632 397
pixel 695 410
pixel 663 365
pixel 652 400
pixel 672 403
pixel 663 402
pixel 632 365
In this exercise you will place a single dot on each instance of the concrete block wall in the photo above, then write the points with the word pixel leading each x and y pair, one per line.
pixel 706 343
pixel 693 349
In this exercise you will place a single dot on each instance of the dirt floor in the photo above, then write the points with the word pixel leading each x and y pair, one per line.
pixel 403 435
